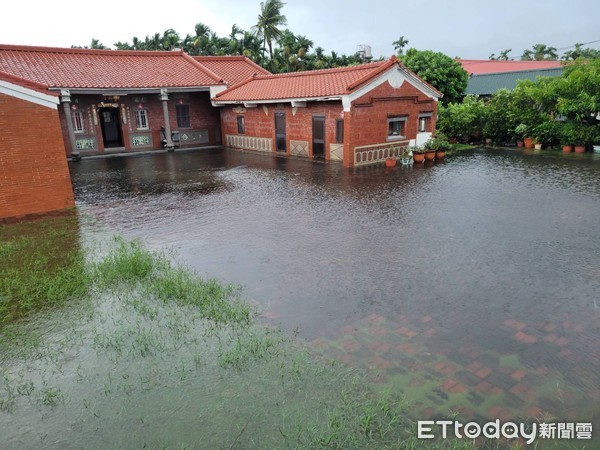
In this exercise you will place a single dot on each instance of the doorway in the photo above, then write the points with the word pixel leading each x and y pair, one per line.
pixel 111 127
pixel 280 145
pixel 318 141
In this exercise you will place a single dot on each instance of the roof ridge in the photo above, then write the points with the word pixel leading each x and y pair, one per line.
pixel 205 69
pixel 322 71
pixel 237 85
pixel 518 71
pixel 92 51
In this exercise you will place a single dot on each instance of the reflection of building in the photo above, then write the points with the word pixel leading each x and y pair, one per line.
pixel 34 177
pixel 489 76
pixel 358 115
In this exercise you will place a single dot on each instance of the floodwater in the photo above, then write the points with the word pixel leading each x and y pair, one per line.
pixel 471 284
pixel 475 281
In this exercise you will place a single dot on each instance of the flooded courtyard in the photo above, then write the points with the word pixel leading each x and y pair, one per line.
pixel 471 285
pixel 476 282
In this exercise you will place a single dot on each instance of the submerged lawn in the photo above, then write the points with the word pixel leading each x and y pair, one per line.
pixel 118 346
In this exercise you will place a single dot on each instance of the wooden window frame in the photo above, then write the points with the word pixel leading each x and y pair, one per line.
pixel 181 123
pixel 78 122
pixel 339 131
pixel 138 118
pixel 241 124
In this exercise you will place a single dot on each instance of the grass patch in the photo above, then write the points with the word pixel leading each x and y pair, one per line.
pixel 41 264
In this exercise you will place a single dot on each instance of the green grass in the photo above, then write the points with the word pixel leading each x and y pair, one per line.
pixel 41 265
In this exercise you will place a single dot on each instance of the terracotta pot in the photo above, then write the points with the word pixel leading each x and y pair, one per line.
pixel 430 155
pixel 418 157
pixel 390 162
pixel 538 146
pixel 528 142
pixel 440 154
pixel 567 148
pixel 580 149
pixel 519 144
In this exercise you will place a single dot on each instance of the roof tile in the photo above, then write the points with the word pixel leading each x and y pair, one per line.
pixel 85 68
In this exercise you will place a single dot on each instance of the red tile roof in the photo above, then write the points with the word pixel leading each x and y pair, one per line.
pixel 232 69
pixel 484 66
pixel 39 87
pixel 309 84
pixel 98 69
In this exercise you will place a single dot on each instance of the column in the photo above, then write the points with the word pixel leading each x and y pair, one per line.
pixel 164 96
pixel 65 98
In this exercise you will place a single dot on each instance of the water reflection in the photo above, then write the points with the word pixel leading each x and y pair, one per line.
pixel 474 281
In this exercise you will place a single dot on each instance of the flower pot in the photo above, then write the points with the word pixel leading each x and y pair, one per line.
pixel 430 155
pixel 406 160
pixel 596 148
pixel 418 157
pixel 390 162
pixel 440 154
pixel 538 146
pixel 520 144
pixel 528 142
pixel 567 148
pixel 580 149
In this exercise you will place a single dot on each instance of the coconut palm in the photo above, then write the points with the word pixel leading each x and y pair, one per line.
pixel 269 21
pixel 400 44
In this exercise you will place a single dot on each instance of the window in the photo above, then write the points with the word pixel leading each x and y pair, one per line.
pixel 141 119
pixel 339 130
pixel 77 118
pixel 396 127
pixel 183 116
pixel 424 122
pixel 241 125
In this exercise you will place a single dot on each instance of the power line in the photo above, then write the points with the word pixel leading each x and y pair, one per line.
pixel 575 45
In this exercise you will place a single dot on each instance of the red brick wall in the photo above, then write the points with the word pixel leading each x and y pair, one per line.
pixel 298 124
pixel 202 116
pixel 34 177
pixel 367 121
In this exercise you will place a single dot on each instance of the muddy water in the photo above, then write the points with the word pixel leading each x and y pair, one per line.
pixel 471 284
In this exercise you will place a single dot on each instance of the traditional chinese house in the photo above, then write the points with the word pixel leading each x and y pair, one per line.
pixel 129 100
pixel 358 115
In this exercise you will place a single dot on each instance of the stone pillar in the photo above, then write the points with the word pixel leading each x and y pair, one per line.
pixel 164 96
pixel 65 98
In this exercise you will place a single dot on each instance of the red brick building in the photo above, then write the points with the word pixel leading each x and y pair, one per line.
pixel 34 177
pixel 358 115
pixel 130 100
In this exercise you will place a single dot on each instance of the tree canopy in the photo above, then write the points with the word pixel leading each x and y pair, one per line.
pixel 441 71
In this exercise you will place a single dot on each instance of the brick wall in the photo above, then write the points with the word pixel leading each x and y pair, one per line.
pixel 34 177
pixel 367 121
pixel 260 122
pixel 202 117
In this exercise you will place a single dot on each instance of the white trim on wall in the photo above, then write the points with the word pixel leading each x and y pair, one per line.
pixel 29 95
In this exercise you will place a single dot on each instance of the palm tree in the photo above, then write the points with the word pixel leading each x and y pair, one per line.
pixel 400 44
pixel 269 21
pixel 540 52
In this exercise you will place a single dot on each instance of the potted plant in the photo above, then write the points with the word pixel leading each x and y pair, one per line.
pixel 442 146
pixel 405 156
pixel 537 144
pixel 567 138
pixel 390 160
pixel 418 154
pixel 520 132
pixel 581 137
pixel 429 147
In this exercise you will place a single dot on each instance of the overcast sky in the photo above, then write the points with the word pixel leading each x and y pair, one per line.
pixel 465 28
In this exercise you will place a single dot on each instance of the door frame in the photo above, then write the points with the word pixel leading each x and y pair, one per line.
pixel 116 114
pixel 315 118
pixel 279 134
